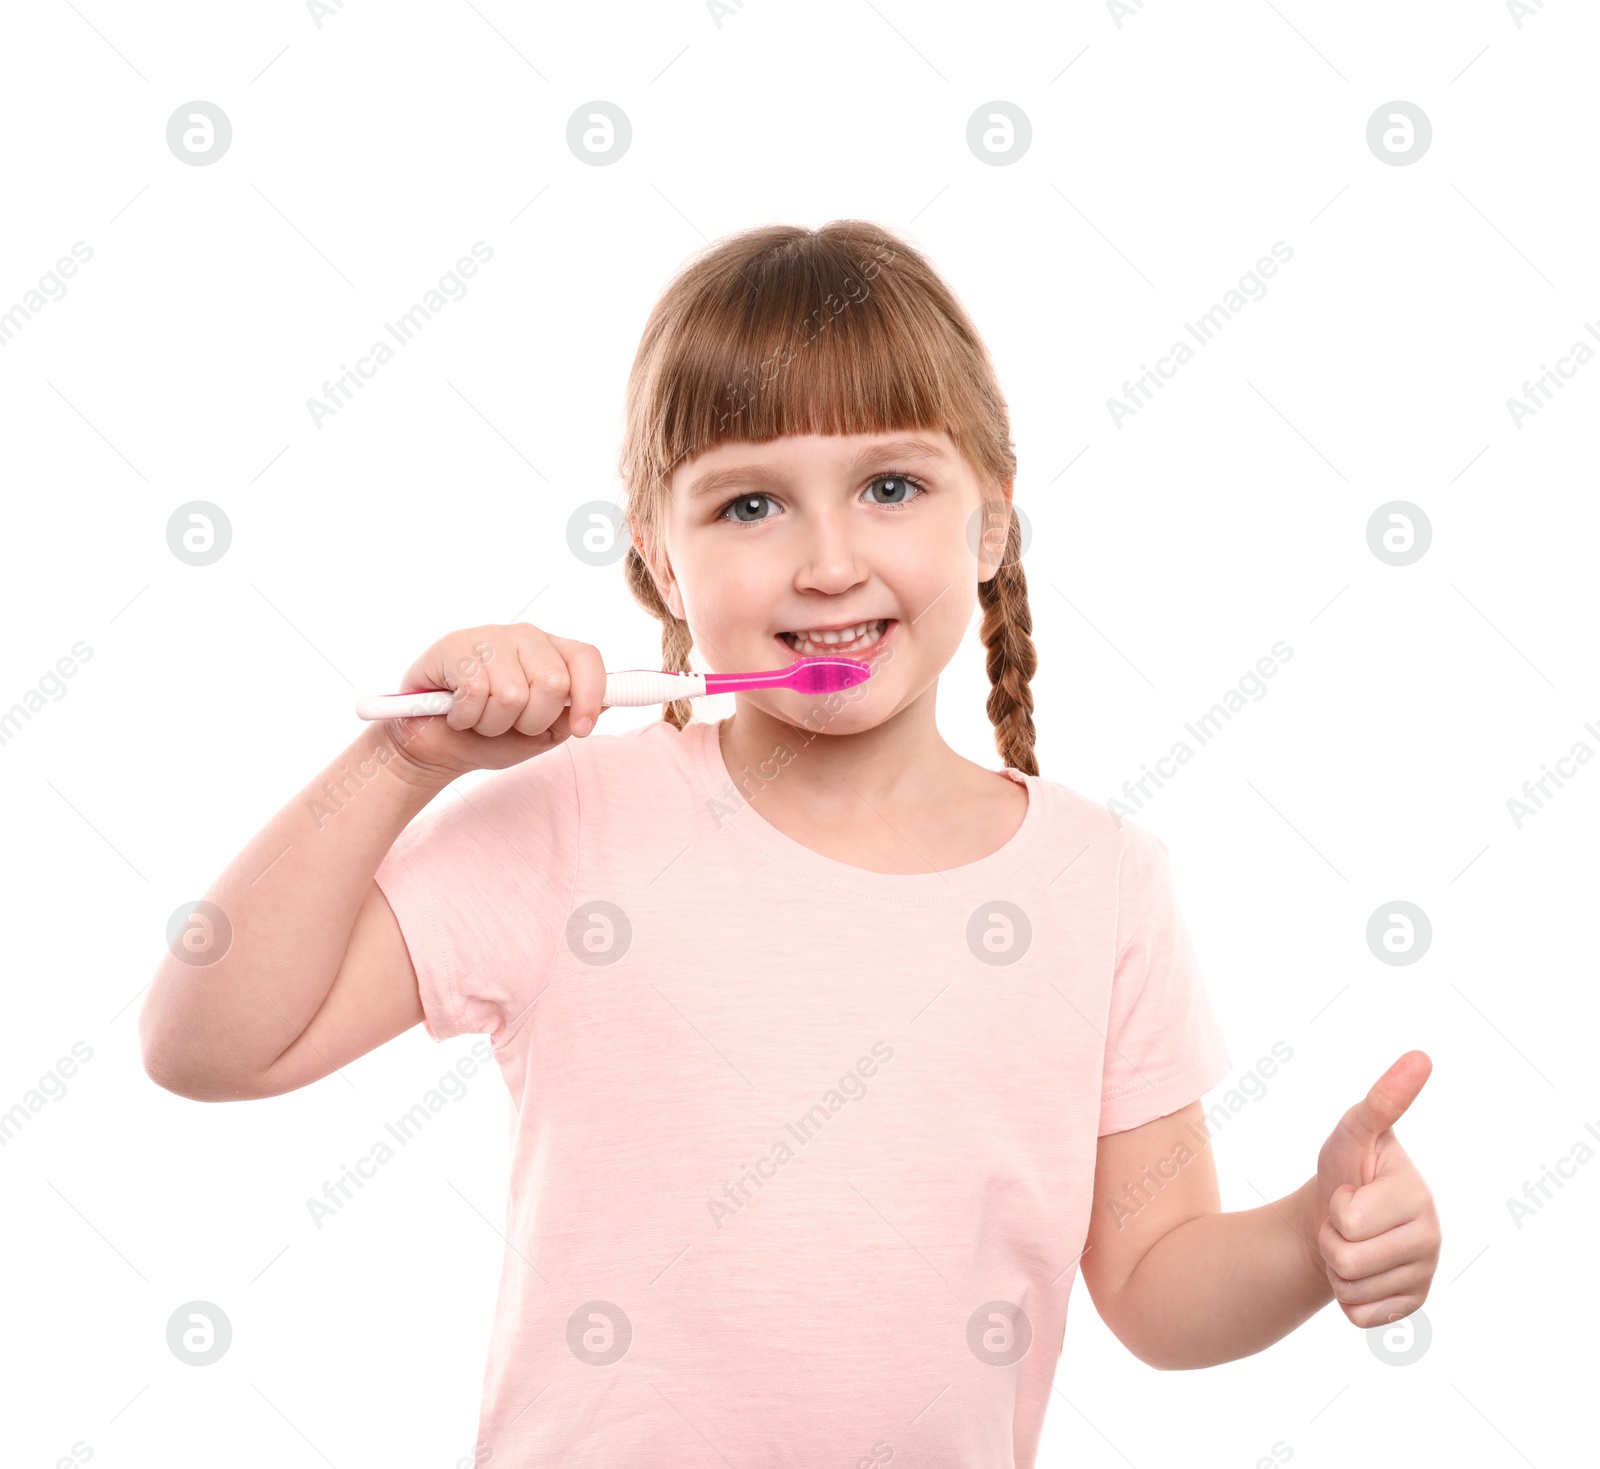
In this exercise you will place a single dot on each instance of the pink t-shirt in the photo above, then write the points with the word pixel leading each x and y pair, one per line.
pixel 802 1154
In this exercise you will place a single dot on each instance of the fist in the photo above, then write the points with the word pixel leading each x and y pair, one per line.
pixel 1368 1216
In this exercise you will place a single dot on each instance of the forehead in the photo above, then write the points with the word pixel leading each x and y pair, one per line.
pixel 740 463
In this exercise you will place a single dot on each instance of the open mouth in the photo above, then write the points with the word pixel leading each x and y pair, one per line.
pixel 845 642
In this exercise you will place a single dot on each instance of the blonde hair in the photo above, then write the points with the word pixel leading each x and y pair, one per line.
pixel 845 329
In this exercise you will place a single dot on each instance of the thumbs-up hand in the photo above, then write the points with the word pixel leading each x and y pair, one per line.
pixel 1368 1215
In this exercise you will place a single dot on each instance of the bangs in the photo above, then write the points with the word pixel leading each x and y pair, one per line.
pixel 840 331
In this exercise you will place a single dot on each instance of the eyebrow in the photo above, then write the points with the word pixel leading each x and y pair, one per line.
pixel 737 476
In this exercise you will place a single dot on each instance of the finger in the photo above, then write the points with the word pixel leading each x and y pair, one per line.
pixel 548 683
pixel 507 697
pixel 1387 1312
pixel 1390 1200
pixel 471 685
pixel 1338 1206
pixel 1415 1240
pixel 586 672
pixel 1411 1279
pixel 1390 1095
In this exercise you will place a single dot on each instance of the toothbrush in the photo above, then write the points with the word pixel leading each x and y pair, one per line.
pixel 639 686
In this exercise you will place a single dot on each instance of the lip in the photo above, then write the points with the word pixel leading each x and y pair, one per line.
pixel 888 633
pixel 835 626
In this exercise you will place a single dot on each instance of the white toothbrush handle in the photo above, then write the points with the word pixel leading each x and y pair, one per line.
pixel 636 687
pixel 632 687
pixel 404 706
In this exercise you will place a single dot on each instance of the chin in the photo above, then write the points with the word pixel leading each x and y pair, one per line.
pixel 833 714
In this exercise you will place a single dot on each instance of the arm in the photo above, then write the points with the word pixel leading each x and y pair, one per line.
pixel 1183 1285
pixel 1180 1283
pixel 317 972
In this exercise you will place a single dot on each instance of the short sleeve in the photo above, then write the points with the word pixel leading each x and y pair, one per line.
pixel 481 883
pixel 1163 1046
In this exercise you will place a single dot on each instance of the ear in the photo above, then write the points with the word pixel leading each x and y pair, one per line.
pixel 993 528
pixel 659 567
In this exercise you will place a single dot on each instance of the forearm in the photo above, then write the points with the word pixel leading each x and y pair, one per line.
pixel 288 903
pixel 1223 1286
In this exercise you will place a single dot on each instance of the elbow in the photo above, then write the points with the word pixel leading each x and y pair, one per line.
pixel 157 1052
pixel 1152 1356
pixel 1155 1353
pixel 163 1056
pixel 195 1088
pixel 159 1056
pixel 1173 1365
pixel 1163 1359
pixel 159 1067
pixel 165 1066
pixel 1164 1363
pixel 177 1058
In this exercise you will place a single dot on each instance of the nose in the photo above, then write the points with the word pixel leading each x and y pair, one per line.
pixel 830 559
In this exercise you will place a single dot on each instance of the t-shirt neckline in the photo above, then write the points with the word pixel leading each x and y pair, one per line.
pixel 755 829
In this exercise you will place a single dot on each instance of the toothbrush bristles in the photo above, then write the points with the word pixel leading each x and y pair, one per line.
pixel 828 675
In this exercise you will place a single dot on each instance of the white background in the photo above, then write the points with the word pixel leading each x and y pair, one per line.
pixel 1168 555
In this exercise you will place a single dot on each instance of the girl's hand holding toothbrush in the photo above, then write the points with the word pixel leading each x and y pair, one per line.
pixel 532 689
pixel 512 686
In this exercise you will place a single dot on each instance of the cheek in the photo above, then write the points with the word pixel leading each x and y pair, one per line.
pixel 946 624
pixel 939 591
pixel 726 591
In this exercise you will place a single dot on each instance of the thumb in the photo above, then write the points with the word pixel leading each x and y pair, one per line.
pixel 1390 1095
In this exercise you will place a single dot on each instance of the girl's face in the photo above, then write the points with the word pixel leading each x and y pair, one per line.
pixel 818 534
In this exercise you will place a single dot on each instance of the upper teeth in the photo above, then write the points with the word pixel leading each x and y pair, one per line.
pixel 840 635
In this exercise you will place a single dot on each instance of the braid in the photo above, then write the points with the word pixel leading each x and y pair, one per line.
pixel 1007 633
pixel 675 638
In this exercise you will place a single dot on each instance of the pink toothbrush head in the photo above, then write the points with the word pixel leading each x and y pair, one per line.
pixel 827 675
pixel 804 676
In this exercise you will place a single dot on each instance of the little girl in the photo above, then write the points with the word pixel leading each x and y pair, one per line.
pixel 821 1040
